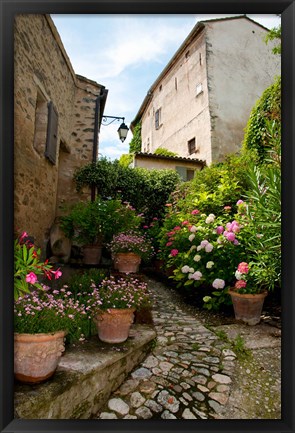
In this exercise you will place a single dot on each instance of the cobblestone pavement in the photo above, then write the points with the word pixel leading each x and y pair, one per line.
pixel 188 374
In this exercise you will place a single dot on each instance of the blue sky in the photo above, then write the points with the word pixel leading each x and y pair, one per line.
pixel 126 53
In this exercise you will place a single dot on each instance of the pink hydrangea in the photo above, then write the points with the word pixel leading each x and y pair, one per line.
pixel 239 202
pixel 230 237
pixel 195 212
pixel 174 252
pixel 243 268
pixel 218 283
pixel 219 230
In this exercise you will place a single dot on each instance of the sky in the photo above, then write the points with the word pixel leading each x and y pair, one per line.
pixel 126 53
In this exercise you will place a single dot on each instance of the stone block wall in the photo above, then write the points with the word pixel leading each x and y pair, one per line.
pixel 43 73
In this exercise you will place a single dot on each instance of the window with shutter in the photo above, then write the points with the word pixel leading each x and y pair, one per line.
pixel 51 139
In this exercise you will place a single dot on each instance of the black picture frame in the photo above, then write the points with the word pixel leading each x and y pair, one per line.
pixel 8 9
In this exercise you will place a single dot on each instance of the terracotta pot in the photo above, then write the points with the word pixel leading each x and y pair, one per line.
pixel 91 254
pixel 36 356
pixel 247 307
pixel 113 324
pixel 127 262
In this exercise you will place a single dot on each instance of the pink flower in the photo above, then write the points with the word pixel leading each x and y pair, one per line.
pixel 168 204
pixel 23 236
pixel 169 244
pixel 185 223
pixel 218 283
pixel 31 278
pixel 226 208
pixel 235 228
pixel 57 274
pixel 145 227
pixel 174 252
pixel 177 228
pixel 219 230
pixel 208 248
pixel 240 284
pixel 239 202
pixel 229 227
pixel 230 237
pixel 195 212
pixel 243 267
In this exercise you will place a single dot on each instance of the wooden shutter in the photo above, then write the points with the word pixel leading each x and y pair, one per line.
pixel 51 139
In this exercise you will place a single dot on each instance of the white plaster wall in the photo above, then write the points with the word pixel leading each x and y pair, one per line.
pixel 240 67
pixel 183 114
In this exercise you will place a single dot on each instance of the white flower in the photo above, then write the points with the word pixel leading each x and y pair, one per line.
pixel 191 237
pixel 192 248
pixel 197 275
pixel 191 270
pixel 197 258
pixel 193 229
pixel 218 283
pixel 208 248
pixel 210 219
pixel 204 243
pixel 190 276
pixel 185 269
pixel 199 247
pixel 209 265
pixel 238 275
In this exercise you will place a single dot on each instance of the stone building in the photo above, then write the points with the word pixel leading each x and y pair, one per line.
pixel 57 116
pixel 199 105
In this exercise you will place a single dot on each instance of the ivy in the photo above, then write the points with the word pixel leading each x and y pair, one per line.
pixel 135 143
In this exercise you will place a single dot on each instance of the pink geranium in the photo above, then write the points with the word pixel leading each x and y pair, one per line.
pixel 174 252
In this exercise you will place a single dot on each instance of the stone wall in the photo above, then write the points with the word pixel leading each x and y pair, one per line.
pixel 43 73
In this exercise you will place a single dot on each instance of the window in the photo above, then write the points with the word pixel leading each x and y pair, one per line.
pixel 160 88
pixel 157 118
pixel 191 146
pixel 199 89
pixel 186 174
pixel 175 83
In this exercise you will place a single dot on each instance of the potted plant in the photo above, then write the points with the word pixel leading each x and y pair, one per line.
pixel 247 296
pixel 90 224
pixel 113 303
pixel 128 249
pixel 42 319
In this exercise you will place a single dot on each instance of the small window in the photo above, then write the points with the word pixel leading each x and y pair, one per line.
pixel 175 82
pixel 190 174
pixel 191 146
pixel 200 58
pixel 41 120
pixel 157 118
pixel 199 89
pixel 160 88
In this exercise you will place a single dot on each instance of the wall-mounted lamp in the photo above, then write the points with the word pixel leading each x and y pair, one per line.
pixel 122 130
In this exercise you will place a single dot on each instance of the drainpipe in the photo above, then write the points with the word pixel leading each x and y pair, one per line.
pixel 99 109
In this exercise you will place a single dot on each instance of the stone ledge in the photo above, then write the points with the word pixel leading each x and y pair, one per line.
pixel 87 374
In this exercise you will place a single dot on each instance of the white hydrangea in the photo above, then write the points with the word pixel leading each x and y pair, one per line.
pixel 197 258
pixel 191 237
pixel 218 283
pixel 210 219
pixel 185 269
pixel 193 229
pixel 209 265
pixel 238 275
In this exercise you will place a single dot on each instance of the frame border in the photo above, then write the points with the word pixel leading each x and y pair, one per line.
pixel 8 9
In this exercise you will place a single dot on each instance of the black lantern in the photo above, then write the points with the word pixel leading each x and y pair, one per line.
pixel 123 128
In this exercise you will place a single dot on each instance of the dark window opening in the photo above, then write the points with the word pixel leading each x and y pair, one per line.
pixel 51 140
pixel 157 118
pixel 191 146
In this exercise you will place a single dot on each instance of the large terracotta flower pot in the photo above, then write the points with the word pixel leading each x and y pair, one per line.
pixel 113 324
pixel 127 262
pixel 91 254
pixel 247 307
pixel 36 356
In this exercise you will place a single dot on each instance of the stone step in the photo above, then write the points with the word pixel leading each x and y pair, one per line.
pixel 86 376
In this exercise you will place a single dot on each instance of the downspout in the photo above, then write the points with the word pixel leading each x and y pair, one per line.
pixel 99 109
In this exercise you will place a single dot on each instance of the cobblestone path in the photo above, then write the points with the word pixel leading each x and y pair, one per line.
pixel 187 375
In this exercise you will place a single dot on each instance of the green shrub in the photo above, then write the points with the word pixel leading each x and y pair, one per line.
pixel 145 190
pixel 164 152
pixel 135 143
pixel 267 108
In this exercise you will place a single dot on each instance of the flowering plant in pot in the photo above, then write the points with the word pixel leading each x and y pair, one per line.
pixel 42 319
pixel 128 249
pixel 112 305
pixel 247 296
pixel 28 266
